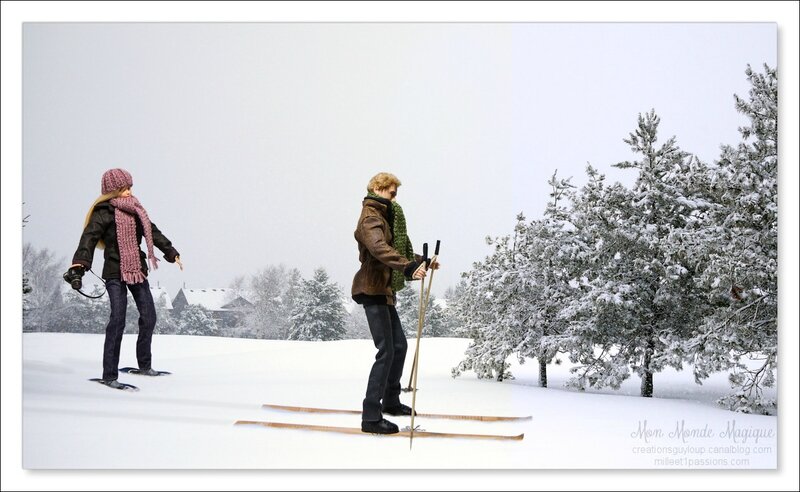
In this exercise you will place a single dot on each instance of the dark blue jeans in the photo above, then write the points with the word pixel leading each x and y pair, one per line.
pixel 118 296
pixel 384 378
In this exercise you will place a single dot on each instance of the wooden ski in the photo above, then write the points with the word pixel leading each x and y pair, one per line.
pixel 355 430
pixel 480 418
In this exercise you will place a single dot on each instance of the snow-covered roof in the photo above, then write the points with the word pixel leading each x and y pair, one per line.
pixel 211 299
pixel 160 295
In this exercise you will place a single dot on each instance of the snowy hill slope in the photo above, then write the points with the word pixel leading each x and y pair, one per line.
pixel 185 420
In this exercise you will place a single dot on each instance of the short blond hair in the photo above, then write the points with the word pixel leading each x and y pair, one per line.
pixel 381 181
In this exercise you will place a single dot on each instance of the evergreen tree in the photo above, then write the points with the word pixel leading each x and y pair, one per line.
pixel 166 324
pixel 44 302
pixel 356 326
pixel 269 317
pixel 436 323
pixel 487 311
pixel 289 299
pixel 197 320
pixel 547 270
pixel 680 268
pixel 318 313
pixel 736 253
pixel 636 301
pixel 601 321
pixel 84 315
pixel 520 291
pixel 407 305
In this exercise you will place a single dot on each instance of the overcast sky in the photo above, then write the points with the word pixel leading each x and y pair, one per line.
pixel 252 144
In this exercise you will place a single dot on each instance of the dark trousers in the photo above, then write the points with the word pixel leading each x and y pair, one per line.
pixel 384 378
pixel 118 296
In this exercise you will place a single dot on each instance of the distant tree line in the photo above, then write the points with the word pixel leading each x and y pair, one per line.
pixel 285 306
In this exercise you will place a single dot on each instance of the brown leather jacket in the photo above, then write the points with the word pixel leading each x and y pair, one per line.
pixel 376 252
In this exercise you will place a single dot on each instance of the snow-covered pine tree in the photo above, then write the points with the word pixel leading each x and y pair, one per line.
pixel 197 320
pixel 489 309
pixel 26 290
pixel 546 280
pixel 436 321
pixel 165 321
pixel 84 315
pixel 318 313
pixel 593 313
pixel 269 318
pixel 45 301
pixel 451 296
pixel 26 284
pixel 290 295
pixel 407 305
pixel 641 297
pixel 737 256
pixel 356 326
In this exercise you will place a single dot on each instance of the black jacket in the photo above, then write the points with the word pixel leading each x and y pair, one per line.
pixel 103 226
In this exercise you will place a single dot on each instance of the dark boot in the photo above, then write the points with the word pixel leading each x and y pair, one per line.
pixel 399 410
pixel 113 383
pixel 382 426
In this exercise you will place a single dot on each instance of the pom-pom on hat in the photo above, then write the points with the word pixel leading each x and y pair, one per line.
pixel 116 179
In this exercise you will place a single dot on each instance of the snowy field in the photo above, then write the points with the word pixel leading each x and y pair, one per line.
pixel 186 420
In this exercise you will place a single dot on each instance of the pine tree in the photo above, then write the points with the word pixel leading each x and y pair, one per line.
pixel 437 323
pixel 593 311
pixel 407 305
pixel 639 300
pixel 197 320
pixel 318 313
pixel 737 255
pixel 44 302
pixel 546 272
pixel 166 324
pixel 84 315
pixel 289 298
pixel 680 268
pixel 269 317
pixel 356 326
pixel 487 311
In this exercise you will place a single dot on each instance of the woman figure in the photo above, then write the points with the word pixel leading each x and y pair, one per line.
pixel 116 222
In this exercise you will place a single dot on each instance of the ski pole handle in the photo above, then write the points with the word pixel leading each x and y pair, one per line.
pixel 425 252
pixel 436 251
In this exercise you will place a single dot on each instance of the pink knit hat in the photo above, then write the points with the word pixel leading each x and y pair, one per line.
pixel 115 179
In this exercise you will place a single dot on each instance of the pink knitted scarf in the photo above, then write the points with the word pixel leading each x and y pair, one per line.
pixel 125 213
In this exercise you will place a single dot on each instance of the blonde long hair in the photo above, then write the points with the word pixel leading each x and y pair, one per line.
pixel 102 198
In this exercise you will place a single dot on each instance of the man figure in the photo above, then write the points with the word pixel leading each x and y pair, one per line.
pixel 387 259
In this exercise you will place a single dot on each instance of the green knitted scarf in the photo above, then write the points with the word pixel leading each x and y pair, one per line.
pixel 401 242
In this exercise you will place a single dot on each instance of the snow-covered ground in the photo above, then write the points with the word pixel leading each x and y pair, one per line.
pixel 186 420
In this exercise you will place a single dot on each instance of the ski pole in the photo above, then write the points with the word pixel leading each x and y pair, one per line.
pixel 416 352
pixel 427 297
